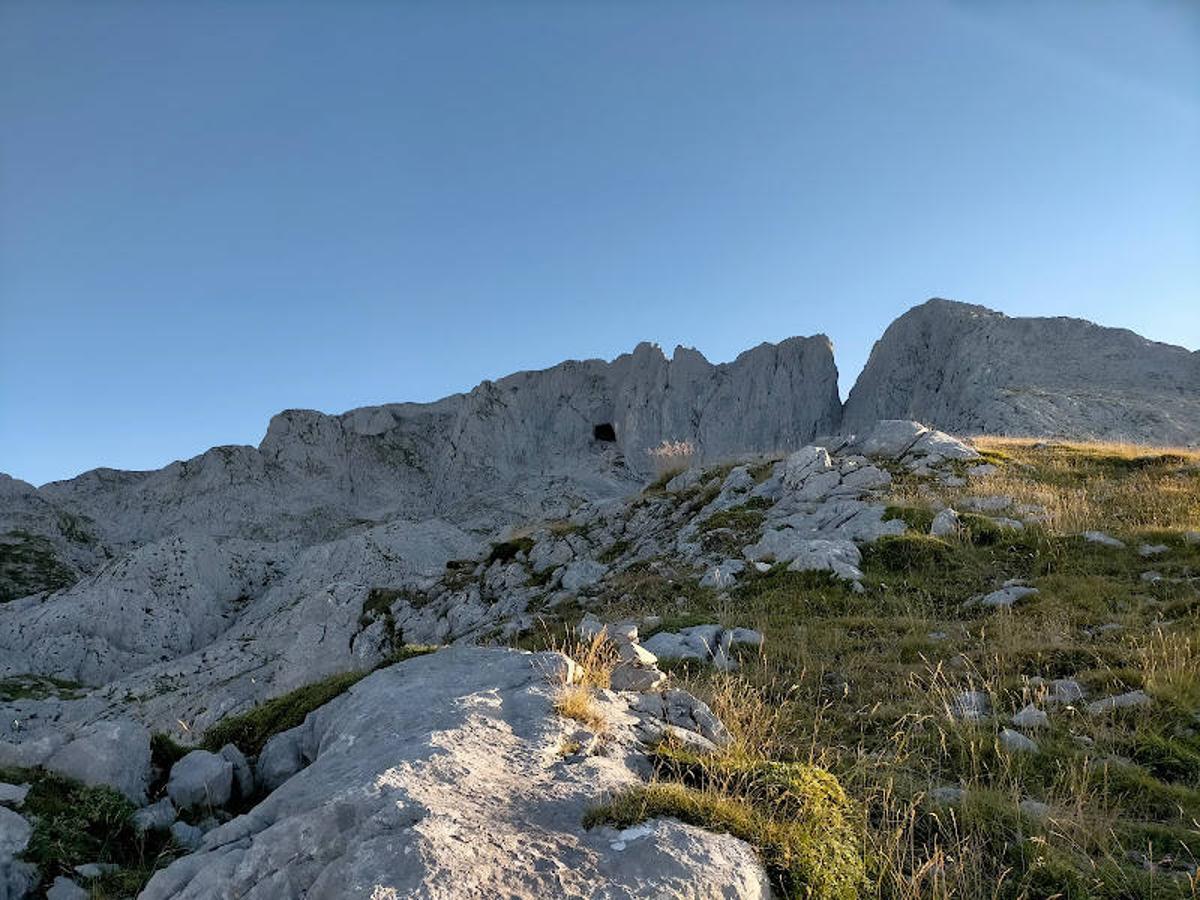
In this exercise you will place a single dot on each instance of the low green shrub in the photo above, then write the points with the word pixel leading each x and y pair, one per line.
pixel 911 552
pixel 74 824
pixel 251 730
pixel 918 518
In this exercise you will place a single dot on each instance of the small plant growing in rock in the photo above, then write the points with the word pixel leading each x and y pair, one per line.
pixel 594 660
pixel 670 457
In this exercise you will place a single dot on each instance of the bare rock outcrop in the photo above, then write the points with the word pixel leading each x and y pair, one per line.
pixel 444 776
pixel 969 370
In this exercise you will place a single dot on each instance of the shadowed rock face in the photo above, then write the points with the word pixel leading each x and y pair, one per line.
pixel 970 370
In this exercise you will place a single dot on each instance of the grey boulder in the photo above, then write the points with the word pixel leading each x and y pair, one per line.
pixel 581 574
pixel 633 677
pixel 1007 597
pixel 113 753
pixel 1107 540
pixel 1031 717
pixel 1015 742
pixel 201 779
pixel 13 793
pixel 155 817
pixel 1128 700
pixel 66 889
pixel 15 832
pixel 243 775
pixel 945 523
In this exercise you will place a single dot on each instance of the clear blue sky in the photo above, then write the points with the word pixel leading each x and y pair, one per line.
pixel 210 211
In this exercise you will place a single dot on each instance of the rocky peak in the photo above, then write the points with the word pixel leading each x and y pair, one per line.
pixel 969 369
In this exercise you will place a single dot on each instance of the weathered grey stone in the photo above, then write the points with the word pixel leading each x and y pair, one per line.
pixel 746 637
pixel 417 760
pixel 695 642
pixel 971 706
pixel 243 775
pixel 590 627
pixel 681 709
pixel 632 652
pixel 187 836
pixel 1015 742
pixel 628 676
pixel 201 779
pixel 805 462
pixel 155 817
pixel 819 485
pixel 805 553
pixel 114 753
pixel 549 554
pixel 945 523
pixel 991 503
pixel 281 758
pixel 15 832
pixel 581 574
pixel 1129 700
pixel 95 870
pixel 839 557
pixel 1031 717
pixel 64 888
pixel 1099 537
pixel 1153 549
pixel 724 575
pixel 1005 522
pixel 890 438
pixel 669 645
pixel 17 879
pixel 739 480
pixel 685 480
pixel 867 478
pixel 1006 597
pixel 13 794
pixel 1064 691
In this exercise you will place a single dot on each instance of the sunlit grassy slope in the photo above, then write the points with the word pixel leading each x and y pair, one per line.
pixel 861 684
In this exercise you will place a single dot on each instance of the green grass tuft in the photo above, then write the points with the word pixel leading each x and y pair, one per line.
pixel 75 824
pixel 250 731
pixel 806 844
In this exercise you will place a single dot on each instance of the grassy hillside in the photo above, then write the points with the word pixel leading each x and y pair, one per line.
pixel 864 684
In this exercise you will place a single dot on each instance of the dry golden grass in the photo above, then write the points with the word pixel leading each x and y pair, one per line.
pixel 594 661
pixel 857 683
pixel 1085 486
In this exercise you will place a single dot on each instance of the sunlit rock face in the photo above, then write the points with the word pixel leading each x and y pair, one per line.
pixel 969 370
pixel 519 445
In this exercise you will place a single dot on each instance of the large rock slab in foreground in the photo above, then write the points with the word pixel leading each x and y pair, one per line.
pixel 970 370
pixel 444 777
